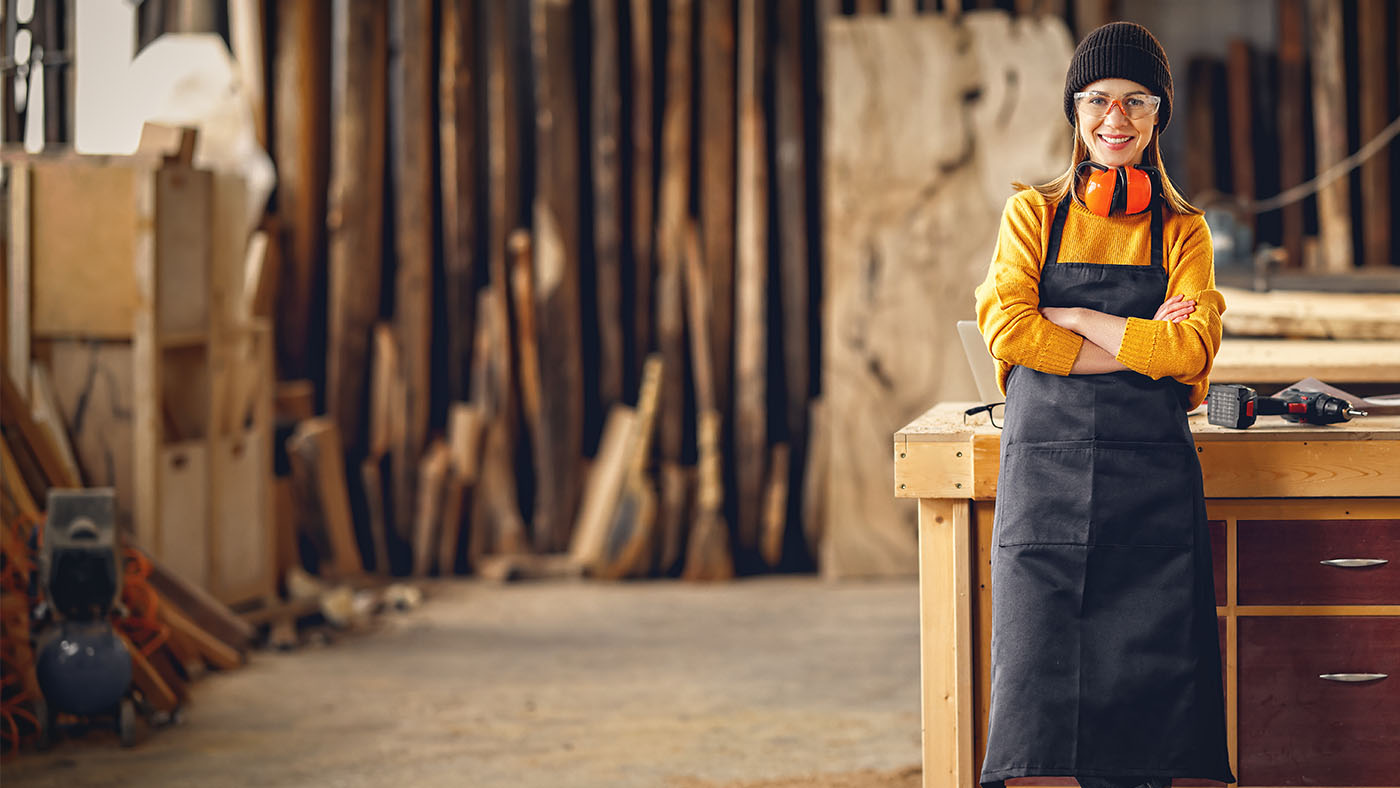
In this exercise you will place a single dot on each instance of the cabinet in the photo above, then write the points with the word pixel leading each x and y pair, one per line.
pixel 1282 500
pixel 126 275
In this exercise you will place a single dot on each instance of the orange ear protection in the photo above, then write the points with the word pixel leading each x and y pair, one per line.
pixel 1120 189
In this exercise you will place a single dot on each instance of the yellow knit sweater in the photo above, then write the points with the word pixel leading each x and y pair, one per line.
pixel 1008 301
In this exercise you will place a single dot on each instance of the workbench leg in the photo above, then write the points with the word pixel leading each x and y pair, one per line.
pixel 945 641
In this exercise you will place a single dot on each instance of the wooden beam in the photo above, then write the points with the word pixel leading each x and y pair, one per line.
pixel 300 130
pixel 372 481
pixel 608 198
pixel 717 197
pixel 751 280
pixel 16 412
pixel 146 678
pixel 459 88
pixel 1375 77
pixel 1241 110
pixel 1205 77
pixel 503 138
pixel 606 477
pixel 318 465
pixel 629 540
pixel 1292 58
pixel 411 146
pixel 17 264
pixel 248 40
pixel 1330 126
pixel 775 506
pixel 355 213
pixel 794 264
pixel 643 189
pixel 556 266
pixel 195 603
pixel 432 478
pixel 48 418
pixel 215 651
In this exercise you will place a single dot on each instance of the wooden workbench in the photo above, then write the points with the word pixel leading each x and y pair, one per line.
pixel 1281 498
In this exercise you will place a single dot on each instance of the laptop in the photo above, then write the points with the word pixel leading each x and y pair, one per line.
pixel 984 367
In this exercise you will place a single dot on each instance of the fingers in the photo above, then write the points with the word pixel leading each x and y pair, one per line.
pixel 1175 309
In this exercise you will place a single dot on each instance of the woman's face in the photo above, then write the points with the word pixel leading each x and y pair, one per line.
pixel 1114 139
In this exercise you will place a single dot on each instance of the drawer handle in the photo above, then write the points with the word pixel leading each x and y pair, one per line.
pixel 1355 563
pixel 1352 678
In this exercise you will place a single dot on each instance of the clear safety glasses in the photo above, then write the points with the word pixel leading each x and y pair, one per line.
pixel 1094 105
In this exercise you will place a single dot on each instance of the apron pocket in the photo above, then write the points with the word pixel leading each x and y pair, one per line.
pixel 1045 493
pixel 1144 494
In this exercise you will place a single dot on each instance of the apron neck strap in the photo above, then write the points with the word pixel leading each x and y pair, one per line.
pixel 1057 229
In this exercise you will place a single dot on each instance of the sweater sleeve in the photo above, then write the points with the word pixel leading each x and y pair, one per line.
pixel 1008 301
pixel 1185 350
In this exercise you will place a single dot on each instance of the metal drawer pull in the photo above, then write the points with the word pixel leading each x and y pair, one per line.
pixel 1353 678
pixel 1354 563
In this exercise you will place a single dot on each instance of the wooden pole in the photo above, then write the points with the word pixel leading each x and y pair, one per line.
pixel 794 259
pixel 1291 60
pixel 318 465
pixel 355 206
pixel 717 142
pixel 751 280
pixel 1374 78
pixel 672 217
pixel 411 144
pixel 1330 124
pixel 300 133
pixel 556 268
pixel 643 189
pixel 458 103
pixel 1241 109
pixel 607 198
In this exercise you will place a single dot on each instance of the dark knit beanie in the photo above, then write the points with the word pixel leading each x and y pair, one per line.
pixel 1121 50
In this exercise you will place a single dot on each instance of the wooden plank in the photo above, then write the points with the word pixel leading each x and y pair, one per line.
pixel 300 128
pixel 607 197
pixel 601 492
pixel 775 506
pixel 458 101
pixel 1288 361
pixel 80 276
pixel 432 479
pixel 717 143
pixel 1374 80
pixel 510 568
pixel 47 417
pixel 455 490
pixel 355 206
pixel 248 41
pixel 707 554
pixel 629 543
pixel 495 519
pixel 522 293
pixel 1300 314
pixel 16 410
pixel 242 542
pixel 411 148
pixel 503 139
pixel 18 272
pixel 147 679
pixel 465 423
pixel 1292 60
pixel 945 641
pixel 93 385
pixel 218 653
pixel 1330 129
pixel 1241 87
pixel 372 480
pixel 181 533
pixel 148 248
pixel 673 204
pixel 751 281
pixel 385 420
pixel 318 466
pixel 1205 78
pixel 794 259
pixel 556 265
pixel 814 481
pixel 643 191
pixel 200 606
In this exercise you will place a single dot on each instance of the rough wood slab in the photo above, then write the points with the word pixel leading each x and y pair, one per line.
pixel 910 224
pixel 1299 315
pixel 459 102
pixel 1291 360
pixel 608 197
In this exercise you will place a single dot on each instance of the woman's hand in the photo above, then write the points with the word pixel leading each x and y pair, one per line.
pixel 1175 309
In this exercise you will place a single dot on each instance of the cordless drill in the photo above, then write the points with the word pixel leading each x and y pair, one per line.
pixel 1235 406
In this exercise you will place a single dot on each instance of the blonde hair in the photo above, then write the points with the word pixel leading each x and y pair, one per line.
pixel 1055 190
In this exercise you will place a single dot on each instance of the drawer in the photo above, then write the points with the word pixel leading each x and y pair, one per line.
pixel 1280 562
pixel 1217 558
pixel 1296 728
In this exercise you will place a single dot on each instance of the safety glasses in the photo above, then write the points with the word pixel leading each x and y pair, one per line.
pixel 1093 104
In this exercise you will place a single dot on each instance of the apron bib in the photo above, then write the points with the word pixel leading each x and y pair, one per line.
pixel 1105 653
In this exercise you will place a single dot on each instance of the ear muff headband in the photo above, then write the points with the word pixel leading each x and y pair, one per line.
pixel 1118 190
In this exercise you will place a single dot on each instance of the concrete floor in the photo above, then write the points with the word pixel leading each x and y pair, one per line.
pixel 764 682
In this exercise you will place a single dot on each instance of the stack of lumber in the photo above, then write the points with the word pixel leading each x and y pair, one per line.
pixel 174 630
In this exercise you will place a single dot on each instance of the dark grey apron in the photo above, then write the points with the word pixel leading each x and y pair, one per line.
pixel 1105 652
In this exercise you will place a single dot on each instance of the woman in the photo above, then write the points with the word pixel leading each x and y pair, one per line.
pixel 1105 653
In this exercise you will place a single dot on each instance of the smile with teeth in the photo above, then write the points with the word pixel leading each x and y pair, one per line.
pixel 1112 140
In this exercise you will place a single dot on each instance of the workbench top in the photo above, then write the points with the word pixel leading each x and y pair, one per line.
pixel 938 456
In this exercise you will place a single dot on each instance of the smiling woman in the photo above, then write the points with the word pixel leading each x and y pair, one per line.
pixel 1101 310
